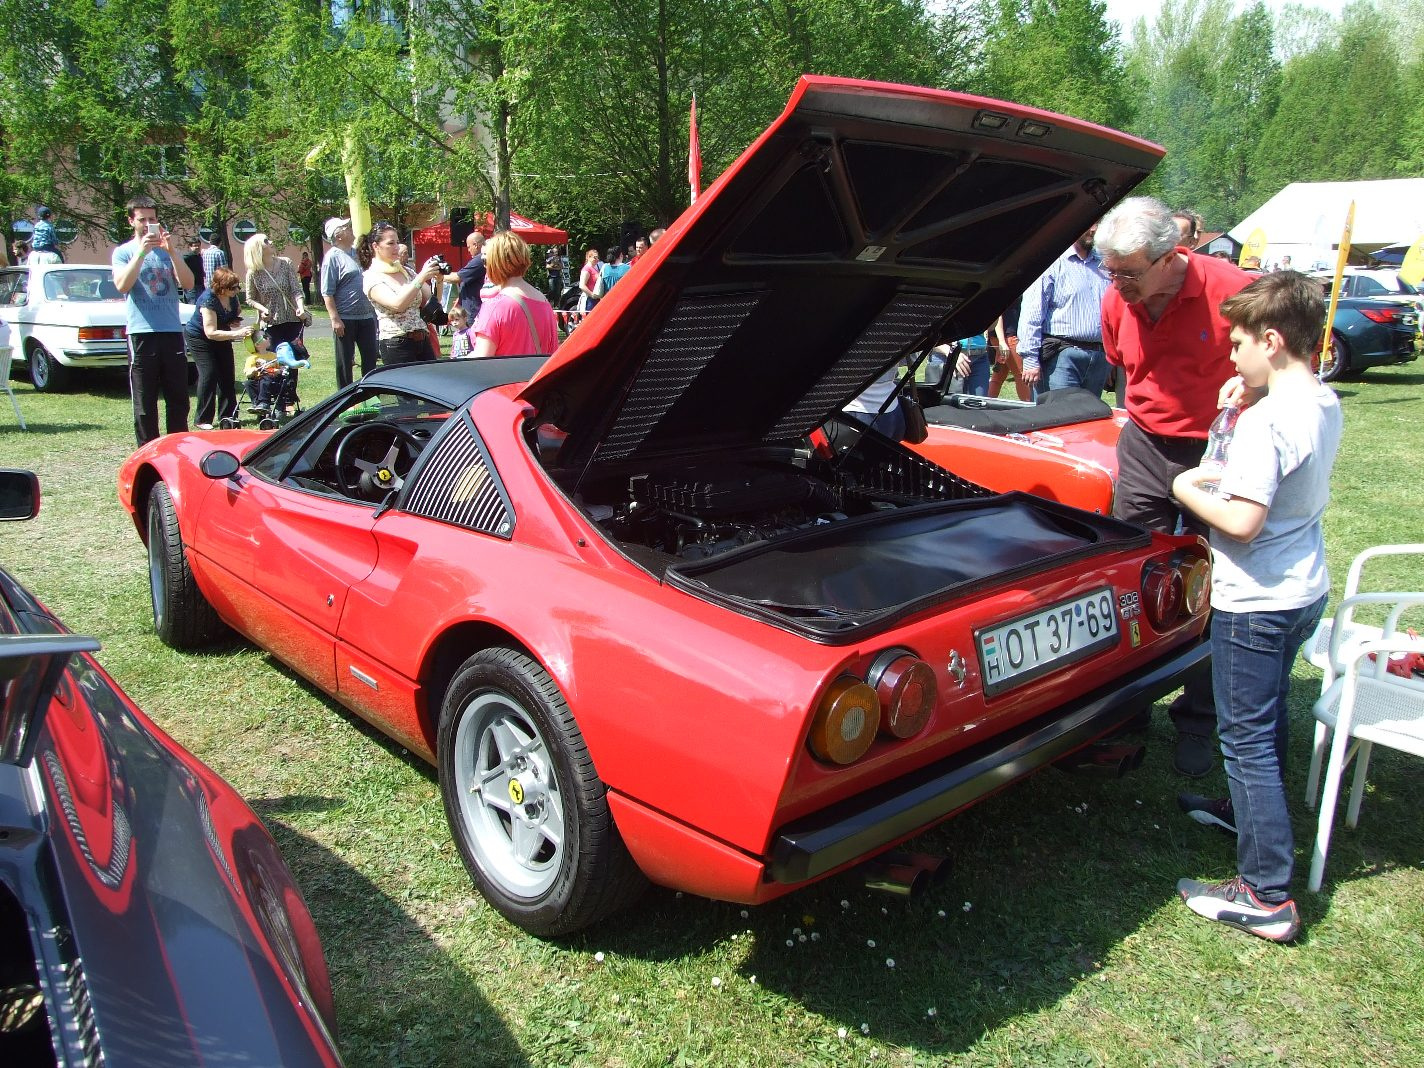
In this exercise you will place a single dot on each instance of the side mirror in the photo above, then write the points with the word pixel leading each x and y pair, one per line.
pixel 219 464
pixel 19 494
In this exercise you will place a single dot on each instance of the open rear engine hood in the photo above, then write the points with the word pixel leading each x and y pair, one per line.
pixel 867 221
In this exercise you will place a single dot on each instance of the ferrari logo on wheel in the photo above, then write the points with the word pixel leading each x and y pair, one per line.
pixel 516 791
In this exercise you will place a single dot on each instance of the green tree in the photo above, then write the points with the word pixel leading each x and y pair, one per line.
pixel 1208 87
pixel 608 114
pixel 1063 55
pixel 1343 112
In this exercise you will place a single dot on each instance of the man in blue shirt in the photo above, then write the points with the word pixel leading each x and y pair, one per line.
pixel 1061 325
pixel 153 278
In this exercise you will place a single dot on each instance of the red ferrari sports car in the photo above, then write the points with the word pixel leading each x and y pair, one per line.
pixel 646 623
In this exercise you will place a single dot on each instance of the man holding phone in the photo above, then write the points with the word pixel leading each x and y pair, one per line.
pixel 153 279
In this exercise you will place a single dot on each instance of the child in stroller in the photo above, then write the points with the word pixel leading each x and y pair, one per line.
pixel 272 381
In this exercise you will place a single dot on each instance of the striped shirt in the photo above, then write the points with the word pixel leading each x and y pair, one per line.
pixel 1066 302
pixel 213 258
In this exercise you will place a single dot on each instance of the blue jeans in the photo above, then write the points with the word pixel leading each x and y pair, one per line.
pixel 976 382
pixel 1073 366
pixel 1251 657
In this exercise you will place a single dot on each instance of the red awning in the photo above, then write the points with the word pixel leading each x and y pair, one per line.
pixel 432 239
pixel 536 233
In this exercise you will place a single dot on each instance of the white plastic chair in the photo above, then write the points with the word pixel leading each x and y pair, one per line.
pixel 6 355
pixel 1363 707
pixel 1317 647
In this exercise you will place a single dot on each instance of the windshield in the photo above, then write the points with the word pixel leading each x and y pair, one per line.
pixel 89 286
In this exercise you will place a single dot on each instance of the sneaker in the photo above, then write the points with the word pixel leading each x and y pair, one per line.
pixel 1236 905
pixel 1209 811
pixel 1194 755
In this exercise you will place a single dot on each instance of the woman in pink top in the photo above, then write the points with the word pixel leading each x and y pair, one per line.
pixel 515 318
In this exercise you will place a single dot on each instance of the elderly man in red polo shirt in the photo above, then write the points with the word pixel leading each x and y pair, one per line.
pixel 1162 326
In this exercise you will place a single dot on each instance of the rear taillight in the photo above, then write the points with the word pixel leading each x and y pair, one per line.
pixel 101 333
pixel 1381 315
pixel 1196 586
pixel 1162 594
pixel 845 721
pixel 906 688
pixel 1175 588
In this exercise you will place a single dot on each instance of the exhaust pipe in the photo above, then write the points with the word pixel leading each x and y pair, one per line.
pixel 1111 760
pixel 906 875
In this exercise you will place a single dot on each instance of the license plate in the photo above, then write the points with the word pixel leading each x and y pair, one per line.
pixel 1026 648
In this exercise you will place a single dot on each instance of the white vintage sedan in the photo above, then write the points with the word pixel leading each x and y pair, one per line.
pixel 64 318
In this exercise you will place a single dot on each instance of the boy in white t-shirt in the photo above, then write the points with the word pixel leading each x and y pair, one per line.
pixel 1269 586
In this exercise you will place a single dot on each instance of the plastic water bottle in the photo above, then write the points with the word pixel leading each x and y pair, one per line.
pixel 1218 440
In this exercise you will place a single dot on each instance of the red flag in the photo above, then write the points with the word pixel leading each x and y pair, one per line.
pixel 694 155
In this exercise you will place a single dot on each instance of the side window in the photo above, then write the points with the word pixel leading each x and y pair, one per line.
pixel 373 430
pixel 459 485
pixel 7 286
pixel 1366 286
pixel 22 286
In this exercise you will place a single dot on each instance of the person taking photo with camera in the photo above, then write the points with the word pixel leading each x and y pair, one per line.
pixel 153 279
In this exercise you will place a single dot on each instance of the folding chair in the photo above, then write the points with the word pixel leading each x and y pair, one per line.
pixel 1317 646
pixel 1364 706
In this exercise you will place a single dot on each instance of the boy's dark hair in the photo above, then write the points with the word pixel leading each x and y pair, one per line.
pixel 1287 302
pixel 140 201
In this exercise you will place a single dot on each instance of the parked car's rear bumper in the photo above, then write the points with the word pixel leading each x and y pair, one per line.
pixel 108 354
pixel 860 826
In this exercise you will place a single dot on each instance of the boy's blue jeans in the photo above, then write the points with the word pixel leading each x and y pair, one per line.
pixel 1251 657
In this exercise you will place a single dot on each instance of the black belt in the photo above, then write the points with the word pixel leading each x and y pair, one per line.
pixel 1075 342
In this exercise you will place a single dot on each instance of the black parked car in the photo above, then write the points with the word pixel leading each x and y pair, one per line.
pixel 146 916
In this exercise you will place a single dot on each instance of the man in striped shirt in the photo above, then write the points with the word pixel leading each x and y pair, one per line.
pixel 1061 326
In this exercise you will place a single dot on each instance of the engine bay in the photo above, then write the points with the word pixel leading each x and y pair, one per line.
pixel 678 513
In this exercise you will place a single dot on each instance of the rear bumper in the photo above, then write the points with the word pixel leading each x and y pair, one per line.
pixel 861 826
pixel 106 354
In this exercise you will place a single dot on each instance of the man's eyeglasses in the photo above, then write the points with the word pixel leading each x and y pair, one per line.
pixel 1130 276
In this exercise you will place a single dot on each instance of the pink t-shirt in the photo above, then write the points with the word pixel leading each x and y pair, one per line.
pixel 503 321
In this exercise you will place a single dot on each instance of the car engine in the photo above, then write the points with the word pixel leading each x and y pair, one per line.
pixel 685 513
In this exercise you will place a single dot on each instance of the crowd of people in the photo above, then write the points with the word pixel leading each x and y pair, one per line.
pixel 380 307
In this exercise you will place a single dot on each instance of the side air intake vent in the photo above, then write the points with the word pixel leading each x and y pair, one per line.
pixel 459 486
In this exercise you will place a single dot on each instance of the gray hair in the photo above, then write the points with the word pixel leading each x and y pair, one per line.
pixel 1138 223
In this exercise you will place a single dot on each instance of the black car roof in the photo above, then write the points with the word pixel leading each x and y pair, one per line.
pixel 454 382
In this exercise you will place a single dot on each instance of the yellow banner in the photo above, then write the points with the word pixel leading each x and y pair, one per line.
pixel 1340 262
pixel 1254 249
pixel 1412 269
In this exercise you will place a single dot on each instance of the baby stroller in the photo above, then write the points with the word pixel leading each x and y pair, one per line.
pixel 272 385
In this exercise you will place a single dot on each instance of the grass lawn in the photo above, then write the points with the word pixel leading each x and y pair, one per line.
pixel 1057 939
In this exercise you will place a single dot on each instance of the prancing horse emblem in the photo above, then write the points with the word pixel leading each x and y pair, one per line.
pixel 956 666
pixel 516 791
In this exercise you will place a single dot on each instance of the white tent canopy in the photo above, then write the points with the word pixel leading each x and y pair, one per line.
pixel 1305 219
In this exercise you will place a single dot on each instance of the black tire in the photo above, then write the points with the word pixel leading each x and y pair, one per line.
pixel 1338 365
pixel 525 805
pixel 182 616
pixel 47 374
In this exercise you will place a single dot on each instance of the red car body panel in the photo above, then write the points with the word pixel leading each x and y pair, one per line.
pixel 1074 464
